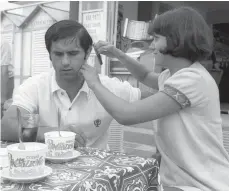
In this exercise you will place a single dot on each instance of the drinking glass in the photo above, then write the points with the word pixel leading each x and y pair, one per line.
pixel 29 127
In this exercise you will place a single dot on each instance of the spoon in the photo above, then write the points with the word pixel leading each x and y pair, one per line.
pixel 21 145
pixel 59 118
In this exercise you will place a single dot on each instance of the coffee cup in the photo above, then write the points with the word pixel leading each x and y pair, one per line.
pixel 60 145
pixel 30 161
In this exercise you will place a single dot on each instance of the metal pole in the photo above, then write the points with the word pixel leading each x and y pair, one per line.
pixel 74 10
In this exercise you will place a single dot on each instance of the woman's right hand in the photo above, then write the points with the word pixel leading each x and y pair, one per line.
pixel 107 49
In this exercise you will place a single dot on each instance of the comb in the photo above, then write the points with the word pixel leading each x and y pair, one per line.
pixel 98 55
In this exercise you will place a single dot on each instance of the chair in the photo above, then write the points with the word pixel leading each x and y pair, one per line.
pixel 225 119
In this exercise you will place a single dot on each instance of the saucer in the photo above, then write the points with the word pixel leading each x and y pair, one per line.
pixel 63 159
pixel 7 175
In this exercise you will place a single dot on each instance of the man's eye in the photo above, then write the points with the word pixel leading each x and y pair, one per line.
pixel 58 53
pixel 73 53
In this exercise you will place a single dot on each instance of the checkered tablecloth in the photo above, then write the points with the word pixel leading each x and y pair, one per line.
pixel 96 170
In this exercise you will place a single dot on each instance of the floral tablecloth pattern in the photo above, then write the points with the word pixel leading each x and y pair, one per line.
pixel 96 170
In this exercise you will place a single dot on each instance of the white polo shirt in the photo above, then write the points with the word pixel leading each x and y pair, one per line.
pixel 42 94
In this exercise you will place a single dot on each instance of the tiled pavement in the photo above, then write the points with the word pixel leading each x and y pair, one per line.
pixel 139 140
pixel 225 119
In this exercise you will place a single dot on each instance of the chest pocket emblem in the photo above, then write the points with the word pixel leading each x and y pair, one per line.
pixel 97 122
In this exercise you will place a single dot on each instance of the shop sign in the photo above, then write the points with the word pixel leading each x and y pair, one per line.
pixel 41 20
pixel 94 23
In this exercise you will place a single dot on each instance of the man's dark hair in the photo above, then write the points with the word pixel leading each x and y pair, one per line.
pixel 68 28
pixel 186 32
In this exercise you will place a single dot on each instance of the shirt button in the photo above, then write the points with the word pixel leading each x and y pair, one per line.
pixel 62 93
pixel 70 109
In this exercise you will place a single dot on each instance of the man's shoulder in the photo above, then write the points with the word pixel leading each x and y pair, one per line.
pixel 42 78
pixel 114 82
pixel 122 89
pixel 109 81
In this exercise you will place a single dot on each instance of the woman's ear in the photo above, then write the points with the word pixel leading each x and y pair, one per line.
pixel 88 53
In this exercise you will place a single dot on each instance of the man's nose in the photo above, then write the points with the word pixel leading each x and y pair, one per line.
pixel 65 60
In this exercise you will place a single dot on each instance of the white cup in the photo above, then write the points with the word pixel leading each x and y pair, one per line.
pixel 4 162
pixel 30 161
pixel 60 146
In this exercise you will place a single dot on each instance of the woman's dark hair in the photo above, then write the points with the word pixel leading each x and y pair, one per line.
pixel 186 32
pixel 68 28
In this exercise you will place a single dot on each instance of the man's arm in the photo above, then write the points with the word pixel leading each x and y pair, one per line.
pixel 9 124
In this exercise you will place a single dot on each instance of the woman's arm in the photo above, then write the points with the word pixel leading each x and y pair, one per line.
pixel 139 71
pixel 125 113
pixel 148 109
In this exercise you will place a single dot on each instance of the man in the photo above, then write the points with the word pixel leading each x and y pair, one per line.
pixel 7 75
pixel 64 88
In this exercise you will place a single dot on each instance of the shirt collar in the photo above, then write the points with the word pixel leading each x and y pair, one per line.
pixel 55 87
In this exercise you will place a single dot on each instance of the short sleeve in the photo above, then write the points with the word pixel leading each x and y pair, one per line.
pixel 162 78
pixel 187 87
pixel 121 89
pixel 26 96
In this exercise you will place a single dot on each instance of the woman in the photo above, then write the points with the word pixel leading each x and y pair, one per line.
pixel 189 135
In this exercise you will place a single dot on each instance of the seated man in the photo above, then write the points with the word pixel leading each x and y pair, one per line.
pixel 7 75
pixel 63 87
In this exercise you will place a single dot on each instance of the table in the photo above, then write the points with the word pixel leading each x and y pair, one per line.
pixel 96 170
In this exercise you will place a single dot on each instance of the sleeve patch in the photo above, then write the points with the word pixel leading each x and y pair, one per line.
pixel 178 96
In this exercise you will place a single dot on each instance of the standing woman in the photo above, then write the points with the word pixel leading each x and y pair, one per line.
pixel 7 75
pixel 187 107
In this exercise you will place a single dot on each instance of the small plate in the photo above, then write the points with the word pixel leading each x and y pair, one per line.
pixel 75 154
pixel 29 179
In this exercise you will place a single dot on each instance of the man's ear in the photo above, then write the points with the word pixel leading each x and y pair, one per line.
pixel 88 53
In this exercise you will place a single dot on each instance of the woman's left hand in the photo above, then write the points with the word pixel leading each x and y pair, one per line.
pixel 90 75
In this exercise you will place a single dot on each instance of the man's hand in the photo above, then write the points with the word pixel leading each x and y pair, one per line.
pixel 81 139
